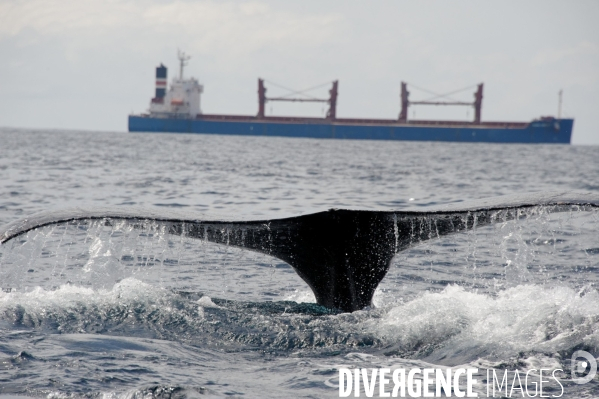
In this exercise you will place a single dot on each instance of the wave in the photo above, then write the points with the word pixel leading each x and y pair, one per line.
pixel 456 324
pixel 465 325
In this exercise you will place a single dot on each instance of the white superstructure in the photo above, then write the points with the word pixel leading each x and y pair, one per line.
pixel 183 97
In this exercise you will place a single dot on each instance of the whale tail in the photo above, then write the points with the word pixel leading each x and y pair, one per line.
pixel 341 254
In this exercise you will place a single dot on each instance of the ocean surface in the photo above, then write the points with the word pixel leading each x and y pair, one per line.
pixel 124 311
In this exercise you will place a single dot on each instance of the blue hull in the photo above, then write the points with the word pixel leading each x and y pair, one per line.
pixel 544 131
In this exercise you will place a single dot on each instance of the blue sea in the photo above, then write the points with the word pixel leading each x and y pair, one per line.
pixel 122 311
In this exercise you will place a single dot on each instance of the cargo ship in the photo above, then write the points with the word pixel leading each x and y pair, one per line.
pixel 177 110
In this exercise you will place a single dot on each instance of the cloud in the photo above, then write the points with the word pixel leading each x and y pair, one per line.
pixel 52 17
pixel 104 51
pixel 238 27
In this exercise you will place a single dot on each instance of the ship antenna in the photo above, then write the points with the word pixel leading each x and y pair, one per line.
pixel 183 58
pixel 559 104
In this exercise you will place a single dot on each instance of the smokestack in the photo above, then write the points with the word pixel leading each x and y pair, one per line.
pixel 160 82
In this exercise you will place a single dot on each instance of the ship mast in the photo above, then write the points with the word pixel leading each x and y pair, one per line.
pixel 559 104
pixel 405 102
pixel 183 58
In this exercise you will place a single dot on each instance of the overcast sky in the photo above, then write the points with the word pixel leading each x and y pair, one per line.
pixel 87 64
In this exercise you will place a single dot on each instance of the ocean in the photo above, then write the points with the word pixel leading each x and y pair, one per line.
pixel 124 311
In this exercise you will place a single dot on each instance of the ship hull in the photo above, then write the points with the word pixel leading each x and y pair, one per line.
pixel 552 131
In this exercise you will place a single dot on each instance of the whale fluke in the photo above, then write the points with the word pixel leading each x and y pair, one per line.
pixel 341 254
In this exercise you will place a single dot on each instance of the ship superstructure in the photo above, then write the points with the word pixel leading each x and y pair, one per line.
pixel 182 100
pixel 177 110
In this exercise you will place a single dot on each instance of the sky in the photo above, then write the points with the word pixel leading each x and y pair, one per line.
pixel 87 64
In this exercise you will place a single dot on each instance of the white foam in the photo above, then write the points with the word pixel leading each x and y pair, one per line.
pixel 301 296
pixel 206 302
pixel 522 318
pixel 39 301
pixel 533 319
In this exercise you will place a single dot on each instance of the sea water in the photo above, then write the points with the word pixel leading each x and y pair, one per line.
pixel 96 310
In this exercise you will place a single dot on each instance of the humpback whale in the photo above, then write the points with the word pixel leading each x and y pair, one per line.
pixel 341 254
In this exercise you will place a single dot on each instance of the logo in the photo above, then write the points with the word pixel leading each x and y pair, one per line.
pixel 461 382
pixel 580 366
pixel 414 383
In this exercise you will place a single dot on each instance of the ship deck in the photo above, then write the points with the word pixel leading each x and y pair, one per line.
pixel 358 121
